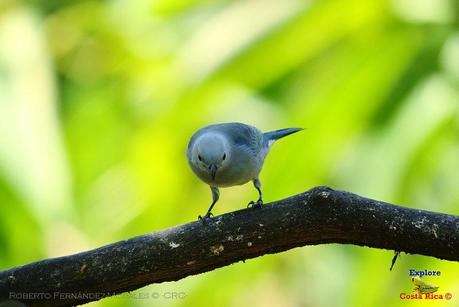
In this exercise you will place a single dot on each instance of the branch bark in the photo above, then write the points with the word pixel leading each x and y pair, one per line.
pixel 319 216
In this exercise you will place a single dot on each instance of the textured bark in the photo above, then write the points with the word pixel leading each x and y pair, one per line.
pixel 321 215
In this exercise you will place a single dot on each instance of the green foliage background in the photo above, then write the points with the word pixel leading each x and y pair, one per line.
pixel 99 98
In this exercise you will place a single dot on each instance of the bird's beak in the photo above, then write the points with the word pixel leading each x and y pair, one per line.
pixel 213 171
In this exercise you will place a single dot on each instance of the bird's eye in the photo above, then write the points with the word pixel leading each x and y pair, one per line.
pixel 224 156
pixel 199 157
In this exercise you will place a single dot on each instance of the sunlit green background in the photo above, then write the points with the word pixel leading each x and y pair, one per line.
pixel 99 98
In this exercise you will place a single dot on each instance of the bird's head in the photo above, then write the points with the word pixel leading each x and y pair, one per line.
pixel 211 153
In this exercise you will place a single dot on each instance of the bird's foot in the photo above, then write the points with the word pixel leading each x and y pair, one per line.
pixel 255 204
pixel 204 218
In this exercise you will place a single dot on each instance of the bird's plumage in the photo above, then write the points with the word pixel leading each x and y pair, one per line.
pixel 240 142
pixel 236 151
pixel 278 134
pixel 237 134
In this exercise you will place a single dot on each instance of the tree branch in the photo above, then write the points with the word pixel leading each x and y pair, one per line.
pixel 321 215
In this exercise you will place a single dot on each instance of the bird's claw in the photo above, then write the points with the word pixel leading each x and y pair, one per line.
pixel 204 218
pixel 255 204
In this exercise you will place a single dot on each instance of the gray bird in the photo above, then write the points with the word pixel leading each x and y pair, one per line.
pixel 230 154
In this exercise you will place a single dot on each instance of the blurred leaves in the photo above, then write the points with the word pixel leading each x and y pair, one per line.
pixel 99 98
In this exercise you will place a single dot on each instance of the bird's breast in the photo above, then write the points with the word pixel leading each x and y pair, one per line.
pixel 235 173
pixel 242 169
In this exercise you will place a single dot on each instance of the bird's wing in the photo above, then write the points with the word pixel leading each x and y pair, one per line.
pixel 241 135
pixel 245 136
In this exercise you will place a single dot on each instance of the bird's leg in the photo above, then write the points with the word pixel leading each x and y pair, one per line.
pixel 215 196
pixel 259 202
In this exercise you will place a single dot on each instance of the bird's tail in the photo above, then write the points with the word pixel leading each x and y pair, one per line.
pixel 278 134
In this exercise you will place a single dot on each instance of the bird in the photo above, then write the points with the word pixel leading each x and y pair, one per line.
pixel 230 154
